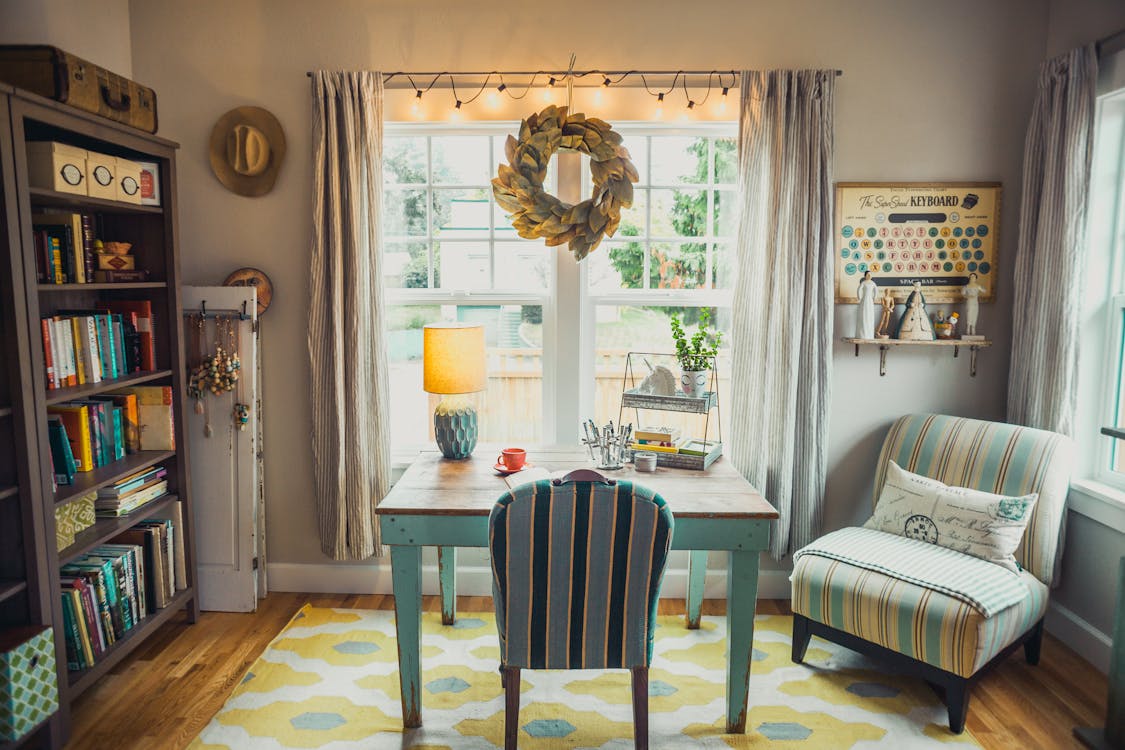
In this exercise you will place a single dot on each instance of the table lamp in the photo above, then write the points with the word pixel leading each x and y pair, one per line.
pixel 453 365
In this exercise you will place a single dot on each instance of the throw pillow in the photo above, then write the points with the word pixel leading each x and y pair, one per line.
pixel 970 521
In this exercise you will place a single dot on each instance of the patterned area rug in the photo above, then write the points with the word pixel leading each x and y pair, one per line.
pixel 330 680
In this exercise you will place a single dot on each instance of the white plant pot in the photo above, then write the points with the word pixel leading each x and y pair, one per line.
pixel 694 382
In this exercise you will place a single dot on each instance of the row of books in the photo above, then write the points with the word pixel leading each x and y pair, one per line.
pixel 64 247
pixel 130 493
pixel 85 434
pixel 685 447
pixel 110 590
pixel 88 346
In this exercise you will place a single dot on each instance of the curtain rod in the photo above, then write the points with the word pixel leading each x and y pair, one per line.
pixel 558 73
pixel 1110 43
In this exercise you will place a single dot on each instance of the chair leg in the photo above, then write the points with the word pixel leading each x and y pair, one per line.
pixel 640 708
pixel 511 680
pixel 801 636
pixel 957 701
pixel 1033 645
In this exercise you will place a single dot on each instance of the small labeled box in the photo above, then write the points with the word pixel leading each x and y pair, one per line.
pixel 150 183
pixel 84 513
pixel 64 528
pixel 28 688
pixel 101 176
pixel 57 166
pixel 128 181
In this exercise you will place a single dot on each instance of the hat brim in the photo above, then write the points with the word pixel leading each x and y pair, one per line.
pixel 263 120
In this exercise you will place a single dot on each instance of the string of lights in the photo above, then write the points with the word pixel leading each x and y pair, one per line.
pixel 495 84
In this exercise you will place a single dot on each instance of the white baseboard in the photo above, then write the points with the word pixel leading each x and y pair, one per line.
pixel 375 578
pixel 1091 644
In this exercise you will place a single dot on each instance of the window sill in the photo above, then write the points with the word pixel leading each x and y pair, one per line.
pixel 1099 502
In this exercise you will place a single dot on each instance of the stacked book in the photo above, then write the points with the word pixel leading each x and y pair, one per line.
pixel 109 591
pixel 130 493
pixel 108 341
pixel 658 439
pixel 64 248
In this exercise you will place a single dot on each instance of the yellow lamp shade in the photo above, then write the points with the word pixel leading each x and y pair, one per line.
pixel 453 358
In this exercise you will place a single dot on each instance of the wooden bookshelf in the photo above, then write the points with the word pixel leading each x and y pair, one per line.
pixel 30 563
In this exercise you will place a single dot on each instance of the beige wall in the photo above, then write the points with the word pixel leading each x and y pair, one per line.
pixel 1075 22
pixel 931 91
pixel 97 31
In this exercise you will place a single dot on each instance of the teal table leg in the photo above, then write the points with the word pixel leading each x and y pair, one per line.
pixel 406 574
pixel 697 576
pixel 447 582
pixel 742 595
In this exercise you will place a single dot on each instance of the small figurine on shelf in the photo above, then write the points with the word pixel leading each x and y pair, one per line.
pixel 945 327
pixel 865 315
pixel 888 303
pixel 972 292
pixel 914 325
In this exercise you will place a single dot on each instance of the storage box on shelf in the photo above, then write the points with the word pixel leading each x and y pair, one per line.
pixel 109 373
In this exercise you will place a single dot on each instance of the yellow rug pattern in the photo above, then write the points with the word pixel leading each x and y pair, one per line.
pixel 330 680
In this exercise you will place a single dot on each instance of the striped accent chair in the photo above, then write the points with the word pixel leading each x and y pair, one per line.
pixel 576 572
pixel 930 628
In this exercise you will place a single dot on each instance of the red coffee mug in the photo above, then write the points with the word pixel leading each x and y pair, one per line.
pixel 512 458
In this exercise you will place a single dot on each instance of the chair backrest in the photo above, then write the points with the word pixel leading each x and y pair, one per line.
pixel 576 572
pixel 995 457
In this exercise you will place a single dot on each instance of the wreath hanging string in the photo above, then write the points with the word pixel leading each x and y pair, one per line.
pixel 535 213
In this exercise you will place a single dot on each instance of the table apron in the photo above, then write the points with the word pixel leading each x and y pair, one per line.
pixel 472 531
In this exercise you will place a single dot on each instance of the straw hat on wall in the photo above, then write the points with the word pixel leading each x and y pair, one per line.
pixel 247 148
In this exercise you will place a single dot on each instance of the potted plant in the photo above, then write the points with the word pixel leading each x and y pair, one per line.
pixel 697 354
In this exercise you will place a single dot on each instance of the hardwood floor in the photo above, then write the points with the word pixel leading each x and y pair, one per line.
pixel 167 691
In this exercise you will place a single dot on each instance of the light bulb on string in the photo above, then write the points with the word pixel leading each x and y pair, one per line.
pixel 455 113
pixel 660 106
pixel 722 106
pixel 416 105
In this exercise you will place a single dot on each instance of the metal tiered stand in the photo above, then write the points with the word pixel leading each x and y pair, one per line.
pixel 631 399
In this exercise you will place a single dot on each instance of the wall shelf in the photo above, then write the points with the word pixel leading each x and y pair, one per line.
pixel 973 346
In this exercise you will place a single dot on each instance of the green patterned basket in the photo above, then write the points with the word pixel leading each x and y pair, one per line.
pixel 28 690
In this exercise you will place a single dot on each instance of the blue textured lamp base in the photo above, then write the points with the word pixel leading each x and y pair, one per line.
pixel 455 428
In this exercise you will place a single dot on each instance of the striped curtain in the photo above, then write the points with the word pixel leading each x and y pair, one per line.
pixel 782 337
pixel 347 359
pixel 1050 256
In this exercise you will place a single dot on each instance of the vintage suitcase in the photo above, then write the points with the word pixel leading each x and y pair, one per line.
pixel 55 74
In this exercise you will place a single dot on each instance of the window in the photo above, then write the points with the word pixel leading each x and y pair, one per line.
pixel 1102 347
pixel 450 253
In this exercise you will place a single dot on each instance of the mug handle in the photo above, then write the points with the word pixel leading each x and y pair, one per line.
pixel 500 460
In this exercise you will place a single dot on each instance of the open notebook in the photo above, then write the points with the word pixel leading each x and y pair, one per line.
pixel 531 474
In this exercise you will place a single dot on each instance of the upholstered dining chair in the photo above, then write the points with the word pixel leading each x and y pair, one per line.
pixel 576 569
pixel 932 611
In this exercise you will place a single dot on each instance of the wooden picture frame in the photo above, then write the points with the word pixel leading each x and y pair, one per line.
pixel 935 233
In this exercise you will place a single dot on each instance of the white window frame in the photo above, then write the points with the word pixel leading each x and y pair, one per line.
pixel 569 307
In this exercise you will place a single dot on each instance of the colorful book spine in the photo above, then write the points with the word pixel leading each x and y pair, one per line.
pixel 76 420
pixel 88 254
pixel 56 259
pixel 81 348
pixel 48 355
pixel 75 656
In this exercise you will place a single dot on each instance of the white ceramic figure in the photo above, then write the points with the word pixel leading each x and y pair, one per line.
pixel 865 315
pixel 972 292
pixel 915 325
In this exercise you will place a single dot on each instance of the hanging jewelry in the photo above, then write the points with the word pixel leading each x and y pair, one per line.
pixel 197 382
pixel 241 412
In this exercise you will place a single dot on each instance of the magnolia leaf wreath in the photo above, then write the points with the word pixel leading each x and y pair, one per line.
pixel 536 213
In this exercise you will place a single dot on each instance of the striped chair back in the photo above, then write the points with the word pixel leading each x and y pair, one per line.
pixel 576 572
pixel 1004 459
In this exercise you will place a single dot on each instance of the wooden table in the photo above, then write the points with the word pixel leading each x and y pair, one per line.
pixel 445 503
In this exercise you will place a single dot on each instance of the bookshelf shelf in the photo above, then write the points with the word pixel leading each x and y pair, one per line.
pixel 104 528
pixel 86 482
pixel 58 395
pixel 81 680
pixel 45 197
pixel 9 588
pixel 107 287
pixel 6 492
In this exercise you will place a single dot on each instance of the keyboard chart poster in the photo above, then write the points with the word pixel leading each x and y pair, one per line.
pixel 936 234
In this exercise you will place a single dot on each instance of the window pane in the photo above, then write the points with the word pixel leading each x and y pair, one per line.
pixel 726 213
pixel 404 160
pixel 461 160
pixel 722 261
pixel 462 265
pixel 461 213
pixel 523 265
pixel 620 330
pixel 404 213
pixel 678 266
pixel 638 154
pixel 633 218
pixel 405 265
pixel 509 411
pixel 678 213
pixel 1117 457
pixel 726 160
pixel 677 160
pixel 616 265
